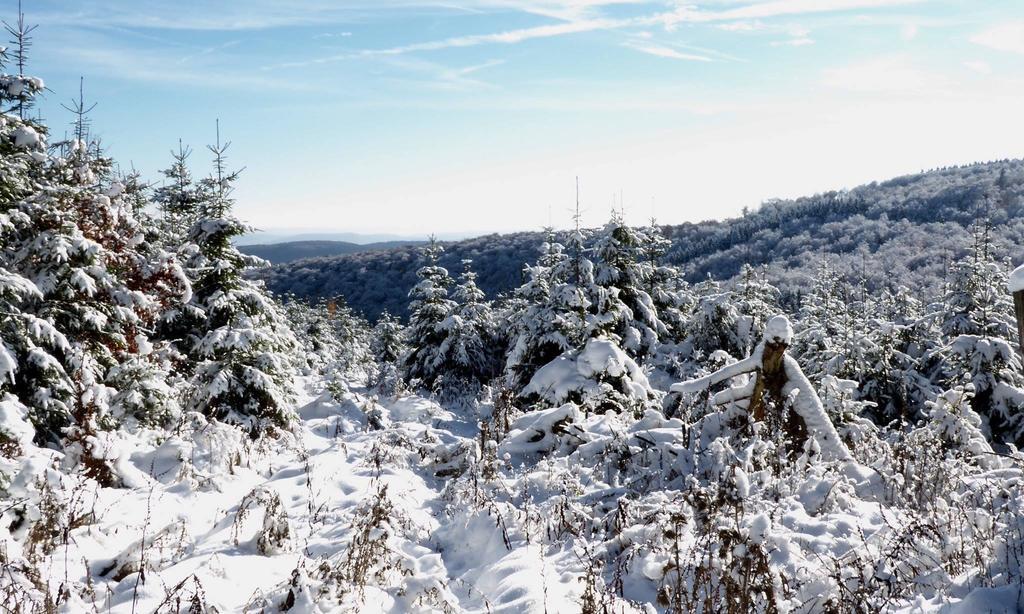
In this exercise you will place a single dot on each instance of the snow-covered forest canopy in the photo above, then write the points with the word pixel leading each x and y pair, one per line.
pixel 815 408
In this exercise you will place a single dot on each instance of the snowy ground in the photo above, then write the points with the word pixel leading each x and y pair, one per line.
pixel 198 539
pixel 372 509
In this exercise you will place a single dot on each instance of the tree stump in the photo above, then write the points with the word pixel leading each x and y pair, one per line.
pixel 768 396
pixel 771 377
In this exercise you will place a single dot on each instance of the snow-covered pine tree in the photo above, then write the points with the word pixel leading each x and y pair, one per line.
pixel 540 330
pixel 850 337
pixel 622 276
pixel 179 199
pixel 429 308
pixel 318 344
pixel 387 345
pixel 82 328
pixel 32 350
pixel 244 374
pixel 669 292
pixel 468 349
pixel 352 332
pixel 977 322
pixel 758 300
pixel 714 323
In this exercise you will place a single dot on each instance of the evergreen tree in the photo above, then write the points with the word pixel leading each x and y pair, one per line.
pixel 244 374
pixel 179 199
pixel 467 351
pixel 758 301
pixel 977 322
pixel 352 333
pixel 625 308
pixel 82 291
pixel 388 347
pixel 540 331
pixel 32 349
pixel 429 307
pixel 668 290
pixel 715 321
pixel 318 344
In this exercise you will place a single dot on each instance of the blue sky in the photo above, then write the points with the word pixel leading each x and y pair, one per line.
pixel 465 116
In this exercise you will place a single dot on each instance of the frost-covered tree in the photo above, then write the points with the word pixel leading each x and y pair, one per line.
pixel 757 301
pixel 388 346
pixel 468 349
pixel 622 276
pixel 541 328
pixel 83 286
pixel 352 332
pixel 318 345
pixel 976 319
pixel 179 199
pixel 429 307
pixel 669 292
pixel 243 346
pixel 714 323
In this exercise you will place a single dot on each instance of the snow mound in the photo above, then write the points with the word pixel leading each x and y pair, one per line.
pixel 544 431
pixel 598 372
pixel 1016 281
pixel 778 330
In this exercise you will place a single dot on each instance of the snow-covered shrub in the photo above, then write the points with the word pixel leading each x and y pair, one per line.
pixel 543 432
pixel 599 377
pixel 274 536
pixel 861 436
pixel 162 549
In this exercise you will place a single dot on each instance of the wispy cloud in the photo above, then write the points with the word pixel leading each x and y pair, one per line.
pixel 572 24
pixel 440 77
pixel 208 51
pixel 95 55
pixel 665 52
pixel 266 14
pixel 741 26
pixel 894 74
pixel 1003 37
pixel 780 8
pixel 324 35
pixel 794 42
pixel 978 66
pixel 507 37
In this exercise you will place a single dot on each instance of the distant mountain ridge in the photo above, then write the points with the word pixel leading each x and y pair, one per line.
pixel 279 253
pixel 903 231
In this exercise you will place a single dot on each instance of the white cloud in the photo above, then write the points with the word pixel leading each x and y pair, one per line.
pixel 979 66
pixel 570 9
pixel 779 8
pixel 886 75
pixel 909 31
pixel 794 42
pixel 741 26
pixel 1004 37
pixel 508 37
pixel 333 35
pixel 666 52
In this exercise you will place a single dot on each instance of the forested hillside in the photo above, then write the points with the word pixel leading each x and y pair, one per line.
pixel 907 228
pixel 297 250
